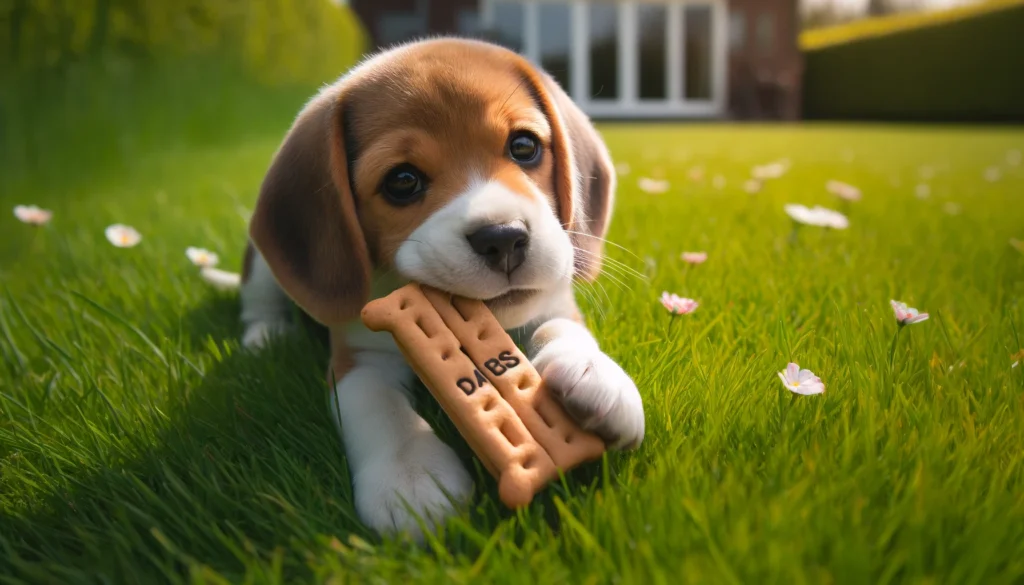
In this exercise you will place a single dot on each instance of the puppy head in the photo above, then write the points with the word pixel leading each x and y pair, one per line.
pixel 453 163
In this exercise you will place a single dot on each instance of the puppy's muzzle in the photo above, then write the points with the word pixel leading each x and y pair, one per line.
pixel 503 246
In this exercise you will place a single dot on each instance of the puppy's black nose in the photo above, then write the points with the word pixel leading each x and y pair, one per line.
pixel 503 247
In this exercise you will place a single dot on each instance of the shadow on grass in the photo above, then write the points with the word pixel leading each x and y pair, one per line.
pixel 235 473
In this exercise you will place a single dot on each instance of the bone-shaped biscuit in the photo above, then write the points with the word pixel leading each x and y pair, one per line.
pixel 495 398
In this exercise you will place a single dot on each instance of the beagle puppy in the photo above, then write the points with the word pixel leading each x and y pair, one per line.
pixel 457 164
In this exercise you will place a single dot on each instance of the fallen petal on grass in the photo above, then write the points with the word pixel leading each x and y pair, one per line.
pixel 802 382
pixel 770 171
pixel 830 218
pixel 32 214
pixel 694 257
pixel 123 236
pixel 221 279
pixel 843 190
pixel 801 214
pixel 818 216
pixel 653 186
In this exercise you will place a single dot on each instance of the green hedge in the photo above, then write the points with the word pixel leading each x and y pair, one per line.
pixel 967 70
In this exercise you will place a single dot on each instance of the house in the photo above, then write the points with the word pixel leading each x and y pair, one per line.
pixel 629 59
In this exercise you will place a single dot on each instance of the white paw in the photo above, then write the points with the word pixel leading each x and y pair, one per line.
pixel 257 335
pixel 424 481
pixel 594 390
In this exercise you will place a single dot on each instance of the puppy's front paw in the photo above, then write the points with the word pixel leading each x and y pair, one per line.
pixel 425 480
pixel 594 390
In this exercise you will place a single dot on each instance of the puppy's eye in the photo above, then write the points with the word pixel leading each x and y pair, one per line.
pixel 403 185
pixel 524 148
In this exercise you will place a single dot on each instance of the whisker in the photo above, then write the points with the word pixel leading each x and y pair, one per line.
pixel 613 265
pixel 606 241
pixel 613 278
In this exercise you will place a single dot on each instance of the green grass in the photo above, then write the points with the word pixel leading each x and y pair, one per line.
pixel 139 444
pixel 874 27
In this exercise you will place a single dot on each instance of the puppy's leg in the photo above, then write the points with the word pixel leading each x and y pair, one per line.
pixel 400 469
pixel 266 308
pixel 593 388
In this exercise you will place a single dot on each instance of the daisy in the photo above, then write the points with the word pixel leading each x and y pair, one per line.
pixel 802 214
pixel 653 186
pixel 800 381
pixel 220 279
pixel 831 219
pixel 32 214
pixel 906 315
pixel 202 258
pixel 123 236
pixel 694 257
pixel 819 216
pixel 770 171
pixel 678 305
pixel 843 190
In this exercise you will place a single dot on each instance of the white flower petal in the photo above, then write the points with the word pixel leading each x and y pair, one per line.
pixel 653 186
pixel 221 279
pixel 32 214
pixel 122 236
pixel 810 388
pixel 202 257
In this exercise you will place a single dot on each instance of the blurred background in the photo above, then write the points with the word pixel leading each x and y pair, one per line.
pixel 91 84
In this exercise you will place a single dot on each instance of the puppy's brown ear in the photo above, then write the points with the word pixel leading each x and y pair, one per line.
pixel 305 224
pixel 584 175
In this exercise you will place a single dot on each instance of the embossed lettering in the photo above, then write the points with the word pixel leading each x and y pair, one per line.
pixel 508 359
pixel 495 367
pixel 466 385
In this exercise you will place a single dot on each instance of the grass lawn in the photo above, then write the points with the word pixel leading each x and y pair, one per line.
pixel 138 443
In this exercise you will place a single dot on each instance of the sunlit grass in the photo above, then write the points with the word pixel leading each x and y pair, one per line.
pixel 137 442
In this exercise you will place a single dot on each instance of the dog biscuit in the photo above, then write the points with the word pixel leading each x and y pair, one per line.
pixel 495 398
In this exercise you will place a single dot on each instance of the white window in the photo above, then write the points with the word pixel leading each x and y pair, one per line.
pixel 626 58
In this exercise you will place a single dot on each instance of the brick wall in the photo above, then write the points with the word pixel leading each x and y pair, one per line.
pixel 765 62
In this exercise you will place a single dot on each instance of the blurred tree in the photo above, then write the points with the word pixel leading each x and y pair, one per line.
pixel 286 40
pixel 881 7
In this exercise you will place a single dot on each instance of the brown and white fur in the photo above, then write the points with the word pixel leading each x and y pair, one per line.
pixel 327 235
